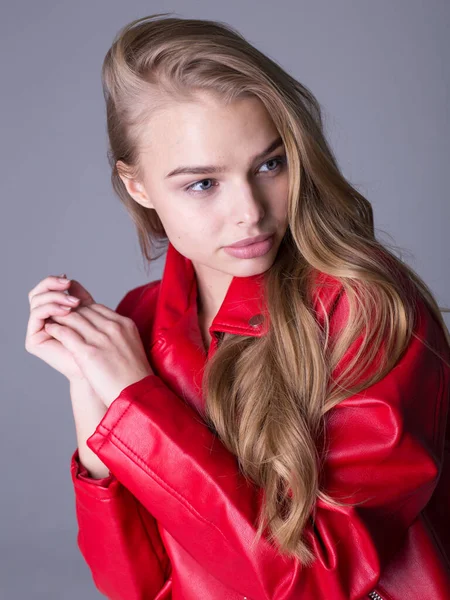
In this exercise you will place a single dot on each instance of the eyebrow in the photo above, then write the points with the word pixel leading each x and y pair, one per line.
pixel 201 169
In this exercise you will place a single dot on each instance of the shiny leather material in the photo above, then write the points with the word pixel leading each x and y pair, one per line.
pixel 175 518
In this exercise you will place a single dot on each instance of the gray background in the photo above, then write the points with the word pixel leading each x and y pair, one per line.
pixel 380 71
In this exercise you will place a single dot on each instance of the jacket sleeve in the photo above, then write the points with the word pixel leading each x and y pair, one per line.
pixel 382 449
pixel 118 537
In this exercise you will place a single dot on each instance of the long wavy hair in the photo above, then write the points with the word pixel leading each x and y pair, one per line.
pixel 267 397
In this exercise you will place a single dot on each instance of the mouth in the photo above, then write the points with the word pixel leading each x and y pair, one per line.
pixel 254 250
pixel 249 241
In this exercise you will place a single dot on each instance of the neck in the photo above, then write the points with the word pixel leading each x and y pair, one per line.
pixel 212 287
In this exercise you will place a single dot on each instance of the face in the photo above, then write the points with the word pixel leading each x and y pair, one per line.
pixel 204 211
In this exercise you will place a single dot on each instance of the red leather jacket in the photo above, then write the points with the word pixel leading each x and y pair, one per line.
pixel 175 518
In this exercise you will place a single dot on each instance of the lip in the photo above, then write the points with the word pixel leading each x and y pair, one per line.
pixel 251 251
pixel 249 241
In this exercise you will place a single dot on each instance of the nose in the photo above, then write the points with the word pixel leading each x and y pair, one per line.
pixel 249 207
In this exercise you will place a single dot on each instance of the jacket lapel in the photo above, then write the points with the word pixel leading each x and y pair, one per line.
pixel 177 352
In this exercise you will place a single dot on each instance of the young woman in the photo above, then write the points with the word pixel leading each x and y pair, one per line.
pixel 268 420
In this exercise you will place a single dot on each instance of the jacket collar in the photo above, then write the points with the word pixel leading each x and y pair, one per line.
pixel 242 311
pixel 177 351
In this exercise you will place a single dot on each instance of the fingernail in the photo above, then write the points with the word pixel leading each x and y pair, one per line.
pixel 63 280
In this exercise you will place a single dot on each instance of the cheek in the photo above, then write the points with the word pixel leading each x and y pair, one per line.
pixel 203 221
pixel 279 203
pixel 192 223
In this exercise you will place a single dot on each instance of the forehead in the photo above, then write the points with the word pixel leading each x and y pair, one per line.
pixel 207 131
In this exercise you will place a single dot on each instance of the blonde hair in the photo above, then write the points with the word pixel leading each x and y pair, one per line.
pixel 267 397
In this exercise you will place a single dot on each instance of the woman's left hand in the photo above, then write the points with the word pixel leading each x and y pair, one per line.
pixel 106 346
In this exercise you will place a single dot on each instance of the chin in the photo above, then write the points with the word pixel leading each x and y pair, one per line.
pixel 246 267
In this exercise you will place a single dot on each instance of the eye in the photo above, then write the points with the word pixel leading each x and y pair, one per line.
pixel 281 160
pixel 192 191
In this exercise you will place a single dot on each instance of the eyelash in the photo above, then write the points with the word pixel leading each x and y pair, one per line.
pixel 282 160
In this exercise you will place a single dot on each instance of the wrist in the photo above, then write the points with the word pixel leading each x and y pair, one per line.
pixel 79 381
pixel 83 394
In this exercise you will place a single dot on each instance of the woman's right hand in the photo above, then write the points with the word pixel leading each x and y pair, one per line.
pixel 49 302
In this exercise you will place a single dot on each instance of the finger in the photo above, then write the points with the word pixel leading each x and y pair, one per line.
pixel 87 323
pixel 54 297
pixel 76 289
pixel 107 312
pixel 48 283
pixel 69 338
pixel 40 313
pixel 103 318
pixel 94 323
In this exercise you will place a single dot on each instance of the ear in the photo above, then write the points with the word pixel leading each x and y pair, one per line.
pixel 134 187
